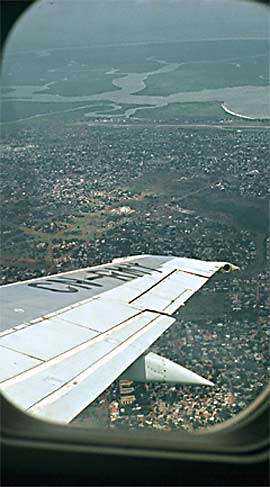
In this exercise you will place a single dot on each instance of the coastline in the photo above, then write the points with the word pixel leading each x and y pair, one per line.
pixel 239 115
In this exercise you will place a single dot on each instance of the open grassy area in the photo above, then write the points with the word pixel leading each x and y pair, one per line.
pixel 13 111
pixel 84 227
pixel 197 76
pixel 197 111
pixel 250 215
pixel 83 83
pixel 109 111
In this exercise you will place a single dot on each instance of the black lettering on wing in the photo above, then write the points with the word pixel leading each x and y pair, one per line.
pixel 125 272
pixel 137 264
pixel 51 286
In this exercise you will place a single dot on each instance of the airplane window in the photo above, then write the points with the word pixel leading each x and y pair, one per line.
pixel 135 128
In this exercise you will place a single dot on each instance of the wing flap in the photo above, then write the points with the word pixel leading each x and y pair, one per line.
pixel 47 339
pixel 176 287
pixel 104 357
pixel 14 363
pixel 100 314
pixel 68 401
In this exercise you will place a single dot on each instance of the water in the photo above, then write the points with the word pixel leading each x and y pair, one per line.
pixel 249 101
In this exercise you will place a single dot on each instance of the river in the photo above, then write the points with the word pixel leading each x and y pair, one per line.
pixel 247 101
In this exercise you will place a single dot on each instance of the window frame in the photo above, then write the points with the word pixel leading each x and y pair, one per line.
pixel 235 452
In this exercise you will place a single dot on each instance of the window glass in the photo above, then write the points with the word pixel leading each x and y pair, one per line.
pixel 142 127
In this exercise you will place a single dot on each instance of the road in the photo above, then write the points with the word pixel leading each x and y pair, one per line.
pixel 239 126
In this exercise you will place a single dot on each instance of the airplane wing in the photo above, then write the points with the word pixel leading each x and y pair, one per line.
pixel 65 338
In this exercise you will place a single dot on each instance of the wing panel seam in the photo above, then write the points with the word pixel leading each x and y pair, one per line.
pixel 96 365
pixel 153 286
pixel 66 354
pixel 22 353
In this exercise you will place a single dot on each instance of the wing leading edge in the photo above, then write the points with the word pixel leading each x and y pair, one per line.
pixel 66 338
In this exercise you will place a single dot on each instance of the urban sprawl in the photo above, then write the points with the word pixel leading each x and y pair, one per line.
pixel 81 194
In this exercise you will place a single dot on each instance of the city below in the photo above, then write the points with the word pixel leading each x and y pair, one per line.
pixel 81 194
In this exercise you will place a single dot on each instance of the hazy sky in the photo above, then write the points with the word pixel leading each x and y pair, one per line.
pixel 58 23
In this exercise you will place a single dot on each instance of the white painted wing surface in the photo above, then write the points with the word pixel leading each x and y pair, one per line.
pixel 66 338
